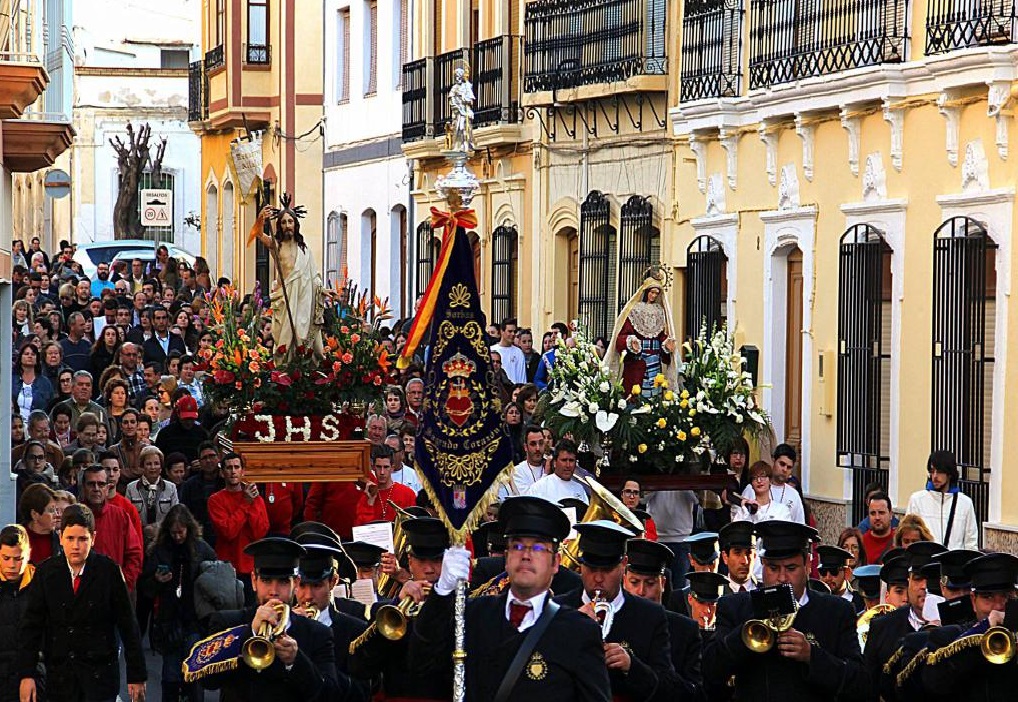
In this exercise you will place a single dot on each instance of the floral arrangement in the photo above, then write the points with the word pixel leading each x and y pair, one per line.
pixel 586 398
pixel 668 431
pixel 243 372
pixel 721 391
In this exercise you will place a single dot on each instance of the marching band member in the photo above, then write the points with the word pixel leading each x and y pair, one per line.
pixel 645 577
pixel 817 659
pixel 867 583
pixel 834 571
pixel 636 647
pixel 367 558
pixel 374 655
pixel 703 558
pixel 303 664
pixel 489 577
pixel 705 591
pixel 738 551
pixel 521 645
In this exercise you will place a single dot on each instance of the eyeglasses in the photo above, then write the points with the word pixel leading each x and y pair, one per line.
pixel 761 477
pixel 631 493
pixel 35 457
pixel 829 570
pixel 535 548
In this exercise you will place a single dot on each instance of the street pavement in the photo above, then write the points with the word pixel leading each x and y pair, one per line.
pixel 153 690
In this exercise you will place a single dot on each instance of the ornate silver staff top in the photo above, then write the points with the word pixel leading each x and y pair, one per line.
pixel 458 187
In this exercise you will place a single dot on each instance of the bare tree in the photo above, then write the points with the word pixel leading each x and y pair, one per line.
pixel 133 158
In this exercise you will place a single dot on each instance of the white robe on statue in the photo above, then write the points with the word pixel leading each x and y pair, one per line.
pixel 305 292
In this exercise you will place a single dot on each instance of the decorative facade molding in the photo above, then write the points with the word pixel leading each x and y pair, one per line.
pixel 770 141
pixel 729 141
pixel 699 148
pixel 806 130
pixel 951 112
pixel 874 180
pixel 851 125
pixel 997 99
pixel 975 171
pixel 895 116
pixel 788 188
pixel 715 195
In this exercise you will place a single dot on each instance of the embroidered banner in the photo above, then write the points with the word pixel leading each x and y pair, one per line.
pixel 218 653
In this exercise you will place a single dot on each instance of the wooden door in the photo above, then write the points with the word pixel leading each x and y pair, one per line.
pixel 793 352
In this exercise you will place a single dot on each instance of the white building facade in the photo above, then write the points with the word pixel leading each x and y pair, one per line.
pixel 132 67
pixel 366 177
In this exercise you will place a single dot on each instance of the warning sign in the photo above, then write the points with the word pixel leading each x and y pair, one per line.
pixel 157 208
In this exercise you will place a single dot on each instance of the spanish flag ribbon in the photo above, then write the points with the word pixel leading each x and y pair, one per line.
pixel 449 222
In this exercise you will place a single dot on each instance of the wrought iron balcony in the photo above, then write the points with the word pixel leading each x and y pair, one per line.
pixel 214 58
pixel 257 54
pixel 415 99
pixel 711 49
pixel 495 68
pixel 792 41
pixel 953 24
pixel 570 43
pixel 197 92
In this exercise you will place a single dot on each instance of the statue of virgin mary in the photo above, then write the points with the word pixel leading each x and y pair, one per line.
pixel 643 339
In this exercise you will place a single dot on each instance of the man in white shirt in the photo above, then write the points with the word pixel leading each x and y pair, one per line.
pixel 402 473
pixel 561 483
pixel 529 470
pixel 782 490
pixel 947 511
pixel 738 551
pixel 514 363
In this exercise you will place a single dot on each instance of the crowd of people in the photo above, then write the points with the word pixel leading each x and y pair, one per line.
pixel 133 523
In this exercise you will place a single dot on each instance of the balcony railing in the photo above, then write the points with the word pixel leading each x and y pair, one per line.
pixel 496 75
pixel 197 92
pixel 214 59
pixel 495 67
pixel 257 54
pixel 415 99
pixel 957 24
pixel 711 49
pixel 570 43
pixel 795 39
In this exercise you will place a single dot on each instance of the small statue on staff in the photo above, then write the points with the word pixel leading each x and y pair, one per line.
pixel 460 136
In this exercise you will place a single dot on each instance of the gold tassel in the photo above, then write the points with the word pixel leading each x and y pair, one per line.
pixel 365 635
pixel 957 646
pixel 895 657
pixel 905 674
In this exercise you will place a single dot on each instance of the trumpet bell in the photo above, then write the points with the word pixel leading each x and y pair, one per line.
pixel 258 651
pixel 391 622
pixel 757 636
pixel 862 624
pixel 998 645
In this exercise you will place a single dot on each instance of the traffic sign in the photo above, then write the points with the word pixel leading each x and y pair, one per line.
pixel 57 183
pixel 157 208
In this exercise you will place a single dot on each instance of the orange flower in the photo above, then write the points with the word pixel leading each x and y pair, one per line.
pixel 237 358
pixel 253 366
pixel 383 360
pixel 332 343
pixel 355 338
pixel 348 358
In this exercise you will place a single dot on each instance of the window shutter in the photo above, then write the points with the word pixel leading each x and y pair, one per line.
pixel 404 41
pixel 372 82
pixel 344 75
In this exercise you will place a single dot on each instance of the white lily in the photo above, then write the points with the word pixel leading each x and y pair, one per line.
pixel 605 421
pixel 570 409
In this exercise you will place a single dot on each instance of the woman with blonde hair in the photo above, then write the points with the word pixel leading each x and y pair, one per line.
pixel 911 529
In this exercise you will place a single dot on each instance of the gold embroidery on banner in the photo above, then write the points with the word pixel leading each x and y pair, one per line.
pixel 462 470
pixel 459 296
pixel 537 667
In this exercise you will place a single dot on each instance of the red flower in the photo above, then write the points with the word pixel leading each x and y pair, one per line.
pixel 258 406
pixel 280 378
pixel 336 366
pixel 377 380
pixel 223 377
pixel 296 374
pixel 281 349
pixel 347 358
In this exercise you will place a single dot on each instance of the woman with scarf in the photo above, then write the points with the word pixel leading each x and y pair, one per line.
pixel 151 494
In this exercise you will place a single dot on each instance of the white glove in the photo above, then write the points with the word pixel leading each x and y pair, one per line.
pixel 455 567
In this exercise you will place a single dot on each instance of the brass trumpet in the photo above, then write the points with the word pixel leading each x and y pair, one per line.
pixel 309 609
pixel 760 635
pixel 862 624
pixel 259 652
pixel 998 645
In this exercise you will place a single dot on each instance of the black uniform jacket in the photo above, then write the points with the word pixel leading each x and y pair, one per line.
pixel 677 601
pixel 377 657
pixel 485 569
pixel 344 630
pixel 567 664
pixel 77 633
pixel 835 670
pixel 641 628
pixel 884 638
pixel 959 672
pixel 687 649
pixel 312 677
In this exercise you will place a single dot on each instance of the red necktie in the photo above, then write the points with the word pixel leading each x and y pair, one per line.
pixel 77 582
pixel 517 612
pixel 742 588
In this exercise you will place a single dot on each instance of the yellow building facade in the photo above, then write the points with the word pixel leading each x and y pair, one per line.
pixel 844 197
pixel 261 79
pixel 486 35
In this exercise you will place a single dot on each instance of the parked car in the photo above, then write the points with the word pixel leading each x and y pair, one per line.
pixel 91 254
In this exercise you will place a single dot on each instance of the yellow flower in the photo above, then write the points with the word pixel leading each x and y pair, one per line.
pixel 681 435
pixel 684 404
pixel 669 395
pixel 692 413
pixel 695 431
pixel 685 395
pixel 661 423
pixel 659 380
pixel 642 448
pixel 635 390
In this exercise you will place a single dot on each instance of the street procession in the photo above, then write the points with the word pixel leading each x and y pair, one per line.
pixel 448 351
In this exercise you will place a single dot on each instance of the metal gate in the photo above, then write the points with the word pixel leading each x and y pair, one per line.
pixel 639 245
pixel 597 264
pixel 706 268
pixel 863 359
pixel 504 258
pixel 427 253
pixel 962 388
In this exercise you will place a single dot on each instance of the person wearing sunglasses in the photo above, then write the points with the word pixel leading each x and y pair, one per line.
pixel 835 573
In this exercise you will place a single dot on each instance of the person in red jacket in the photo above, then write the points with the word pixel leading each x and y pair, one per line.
pixel 238 515
pixel 333 504
pixel 115 536
pixel 374 501
pixel 283 502
pixel 110 461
